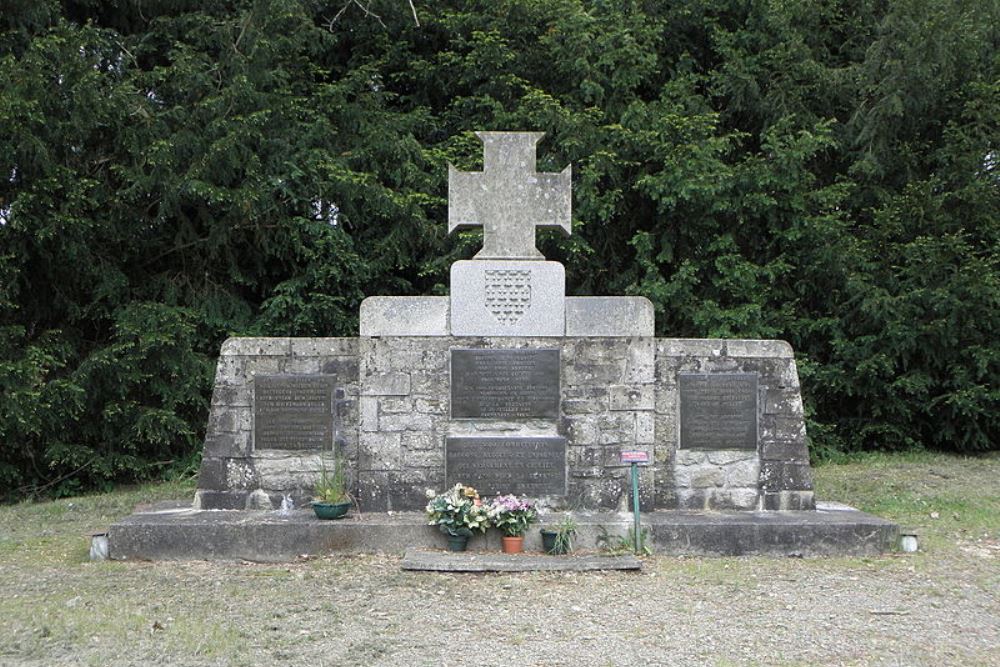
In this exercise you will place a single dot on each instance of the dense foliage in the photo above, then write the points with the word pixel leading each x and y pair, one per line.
pixel 176 171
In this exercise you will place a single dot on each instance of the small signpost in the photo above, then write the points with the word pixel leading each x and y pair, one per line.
pixel 635 457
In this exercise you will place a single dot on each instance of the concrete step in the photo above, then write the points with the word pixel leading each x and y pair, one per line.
pixel 169 532
pixel 470 561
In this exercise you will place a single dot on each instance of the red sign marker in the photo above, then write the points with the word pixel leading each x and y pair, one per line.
pixel 635 456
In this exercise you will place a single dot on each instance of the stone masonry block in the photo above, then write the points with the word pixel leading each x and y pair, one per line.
pixel 325 347
pixel 230 396
pixel 368 407
pixel 631 397
pixel 665 400
pixel 783 402
pixel 690 347
pixel 421 440
pixel 386 384
pixel 257 347
pixel 429 384
pixel 582 429
pixel 393 405
pixel 778 428
pixel 689 457
pixel 645 428
pixel 796 452
pixel 724 457
pixel 226 445
pixel 212 475
pixel 641 362
pixel 423 458
pixel 405 422
pixel 609 316
pixel 742 474
pixel 380 451
pixel 759 348
pixel 785 476
pixel 431 406
pixel 405 316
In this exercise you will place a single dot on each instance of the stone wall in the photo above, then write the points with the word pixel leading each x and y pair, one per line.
pixel 777 474
pixel 392 417
pixel 606 406
pixel 234 474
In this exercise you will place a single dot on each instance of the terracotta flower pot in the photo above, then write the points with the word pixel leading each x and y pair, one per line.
pixel 513 545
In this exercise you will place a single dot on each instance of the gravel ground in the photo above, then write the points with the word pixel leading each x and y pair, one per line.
pixel 937 607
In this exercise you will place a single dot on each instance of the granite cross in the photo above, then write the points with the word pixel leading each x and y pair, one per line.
pixel 508 199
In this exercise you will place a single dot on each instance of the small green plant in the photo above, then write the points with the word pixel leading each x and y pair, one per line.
pixel 617 545
pixel 331 488
pixel 565 530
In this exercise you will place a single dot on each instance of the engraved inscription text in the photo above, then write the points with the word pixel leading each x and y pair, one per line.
pixel 504 384
pixel 293 411
pixel 718 411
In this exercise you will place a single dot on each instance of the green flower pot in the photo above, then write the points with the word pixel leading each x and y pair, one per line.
pixel 549 543
pixel 458 542
pixel 330 510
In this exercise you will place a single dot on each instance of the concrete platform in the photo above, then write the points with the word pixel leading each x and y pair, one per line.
pixel 444 561
pixel 173 532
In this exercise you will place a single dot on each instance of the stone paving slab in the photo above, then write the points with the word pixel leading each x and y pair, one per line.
pixel 466 561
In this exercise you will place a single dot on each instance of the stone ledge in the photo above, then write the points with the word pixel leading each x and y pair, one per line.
pixel 171 533
pixel 609 316
pixel 405 316
pixel 720 347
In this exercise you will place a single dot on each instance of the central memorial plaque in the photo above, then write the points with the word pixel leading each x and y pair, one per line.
pixel 718 411
pixel 293 411
pixel 533 466
pixel 504 384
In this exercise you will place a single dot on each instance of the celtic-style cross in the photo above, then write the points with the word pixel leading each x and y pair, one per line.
pixel 508 198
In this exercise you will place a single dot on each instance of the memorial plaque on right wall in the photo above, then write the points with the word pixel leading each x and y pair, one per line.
pixel 718 411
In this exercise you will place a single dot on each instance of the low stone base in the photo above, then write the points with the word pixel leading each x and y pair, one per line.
pixel 443 561
pixel 182 533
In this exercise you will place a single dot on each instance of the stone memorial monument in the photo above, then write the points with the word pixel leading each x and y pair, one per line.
pixel 508 385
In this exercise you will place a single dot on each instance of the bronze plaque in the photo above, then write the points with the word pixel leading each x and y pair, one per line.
pixel 532 466
pixel 504 384
pixel 293 411
pixel 718 411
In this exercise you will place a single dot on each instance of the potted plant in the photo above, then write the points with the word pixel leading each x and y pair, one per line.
pixel 330 497
pixel 457 514
pixel 512 515
pixel 558 539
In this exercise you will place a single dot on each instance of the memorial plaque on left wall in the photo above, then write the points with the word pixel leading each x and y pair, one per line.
pixel 293 411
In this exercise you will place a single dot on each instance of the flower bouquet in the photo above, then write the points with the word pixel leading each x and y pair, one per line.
pixel 457 513
pixel 512 515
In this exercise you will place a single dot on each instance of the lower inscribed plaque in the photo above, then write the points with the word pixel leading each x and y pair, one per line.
pixel 532 466
pixel 718 411
pixel 293 411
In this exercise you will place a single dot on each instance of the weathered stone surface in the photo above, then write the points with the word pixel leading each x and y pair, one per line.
pixel 443 561
pixel 405 316
pixel 631 397
pixel 386 384
pixel 609 316
pixel 256 347
pixel 508 298
pixel 183 534
pixel 508 199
